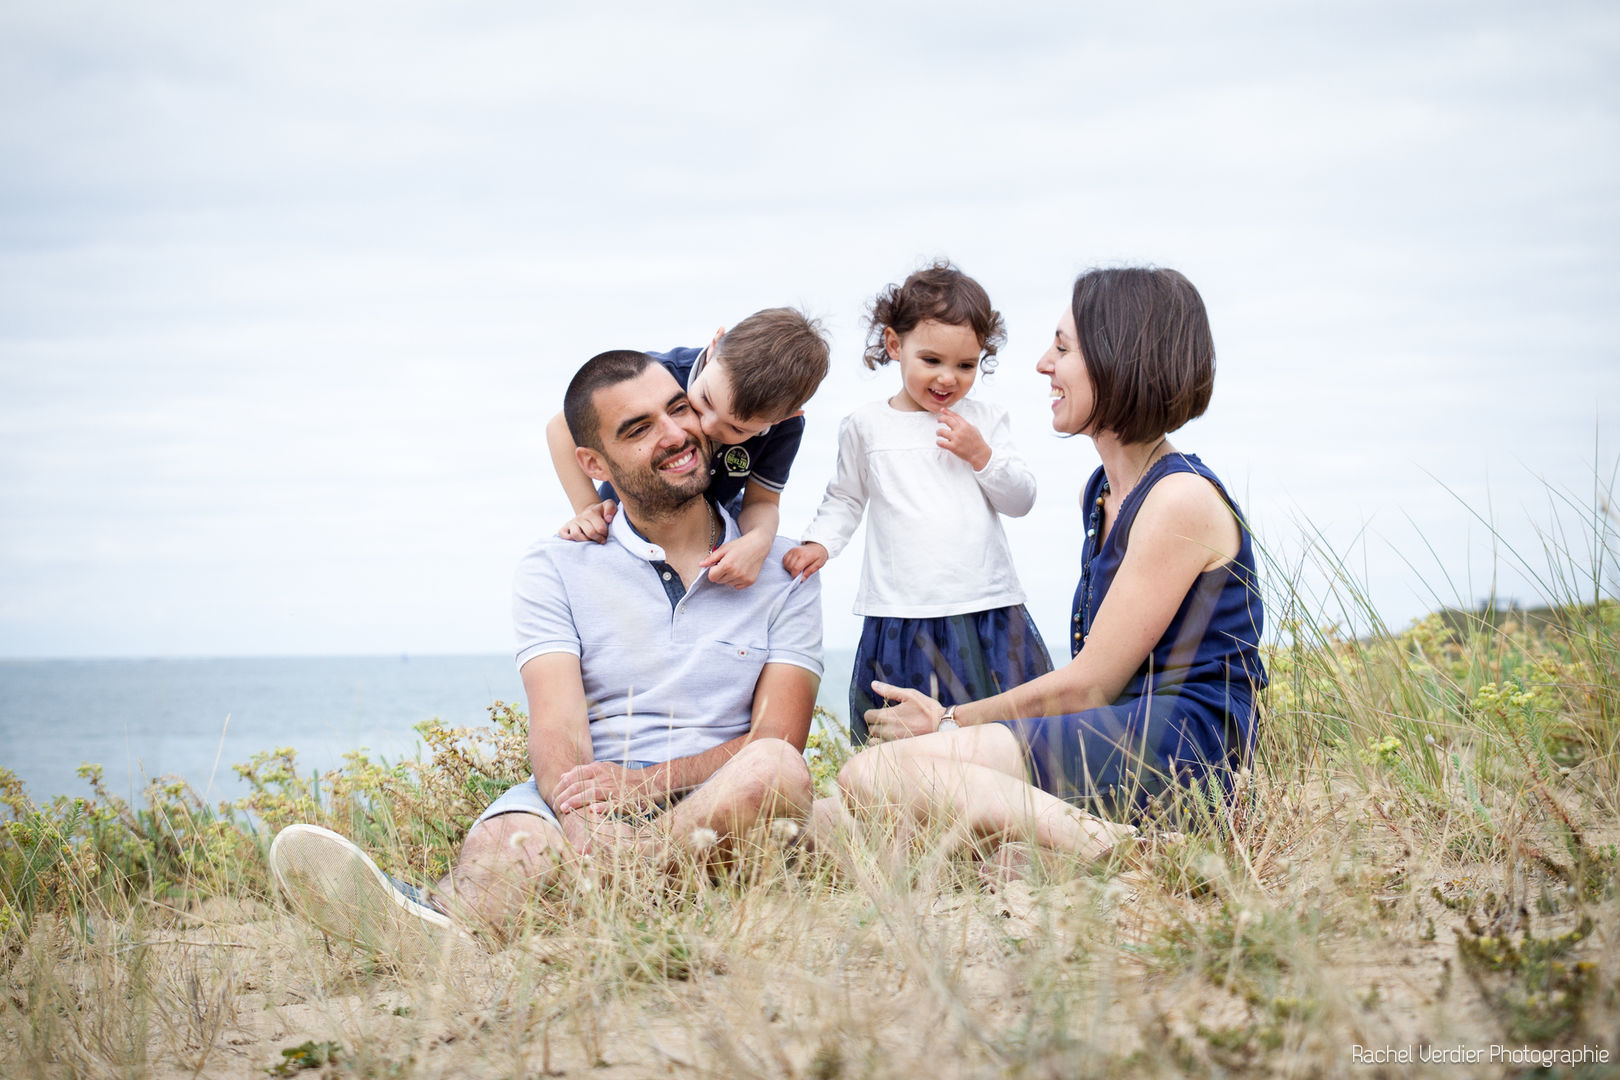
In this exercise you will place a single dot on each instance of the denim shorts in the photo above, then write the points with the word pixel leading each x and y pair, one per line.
pixel 525 798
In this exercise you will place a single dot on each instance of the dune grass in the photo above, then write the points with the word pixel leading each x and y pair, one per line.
pixel 1424 855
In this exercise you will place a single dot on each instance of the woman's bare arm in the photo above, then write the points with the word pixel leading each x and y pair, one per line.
pixel 1183 529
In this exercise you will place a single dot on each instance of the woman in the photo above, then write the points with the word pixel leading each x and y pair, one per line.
pixel 1167 618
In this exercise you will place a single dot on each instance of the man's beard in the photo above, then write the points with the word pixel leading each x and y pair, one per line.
pixel 658 495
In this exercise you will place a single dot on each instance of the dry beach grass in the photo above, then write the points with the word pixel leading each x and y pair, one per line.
pixel 1425 855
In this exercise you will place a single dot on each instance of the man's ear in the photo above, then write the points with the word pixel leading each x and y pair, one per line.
pixel 592 462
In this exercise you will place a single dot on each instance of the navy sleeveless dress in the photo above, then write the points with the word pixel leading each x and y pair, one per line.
pixel 1187 714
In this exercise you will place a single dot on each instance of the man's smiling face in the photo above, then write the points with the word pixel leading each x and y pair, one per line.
pixel 653 449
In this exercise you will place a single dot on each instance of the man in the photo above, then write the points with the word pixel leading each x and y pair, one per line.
pixel 749 388
pixel 665 711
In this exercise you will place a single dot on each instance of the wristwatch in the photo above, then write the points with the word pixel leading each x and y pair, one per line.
pixel 948 721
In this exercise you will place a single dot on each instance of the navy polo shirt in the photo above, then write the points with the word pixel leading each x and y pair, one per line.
pixel 766 458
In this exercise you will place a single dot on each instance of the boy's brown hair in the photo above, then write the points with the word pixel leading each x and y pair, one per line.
pixel 775 359
pixel 1145 339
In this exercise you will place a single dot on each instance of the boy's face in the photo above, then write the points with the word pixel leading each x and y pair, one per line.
pixel 710 394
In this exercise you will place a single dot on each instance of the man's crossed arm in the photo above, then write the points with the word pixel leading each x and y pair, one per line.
pixel 573 782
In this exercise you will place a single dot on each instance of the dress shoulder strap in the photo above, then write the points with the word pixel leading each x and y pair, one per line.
pixel 1166 466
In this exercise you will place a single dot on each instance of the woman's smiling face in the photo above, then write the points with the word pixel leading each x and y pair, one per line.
pixel 1073 396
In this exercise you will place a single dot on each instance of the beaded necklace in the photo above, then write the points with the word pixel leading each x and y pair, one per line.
pixel 1082 618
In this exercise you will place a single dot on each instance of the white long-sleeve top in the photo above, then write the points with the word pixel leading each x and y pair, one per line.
pixel 934 542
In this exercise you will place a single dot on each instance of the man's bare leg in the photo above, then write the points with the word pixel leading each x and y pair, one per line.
pixel 766 780
pixel 503 862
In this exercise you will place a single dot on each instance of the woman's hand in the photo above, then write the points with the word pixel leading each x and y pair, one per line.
pixel 915 713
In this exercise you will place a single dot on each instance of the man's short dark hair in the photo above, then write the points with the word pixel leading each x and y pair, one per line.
pixel 775 358
pixel 1145 339
pixel 602 370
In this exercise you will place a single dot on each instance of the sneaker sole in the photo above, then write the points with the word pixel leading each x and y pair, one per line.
pixel 326 878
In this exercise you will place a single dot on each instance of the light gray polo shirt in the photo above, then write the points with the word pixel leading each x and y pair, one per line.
pixel 668 672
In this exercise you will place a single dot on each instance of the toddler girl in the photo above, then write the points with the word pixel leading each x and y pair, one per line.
pixel 944 610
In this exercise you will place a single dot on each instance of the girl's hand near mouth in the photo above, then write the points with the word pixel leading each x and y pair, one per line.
pixel 963 439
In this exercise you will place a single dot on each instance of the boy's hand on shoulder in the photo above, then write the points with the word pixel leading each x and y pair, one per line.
pixel 738 562
pixel 804 560
pixel 591 523
pixel 963 439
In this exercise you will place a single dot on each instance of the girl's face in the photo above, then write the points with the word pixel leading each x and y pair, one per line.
pixel 938 363
pixel 1072 392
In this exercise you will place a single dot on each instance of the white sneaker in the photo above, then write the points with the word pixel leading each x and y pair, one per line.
pixel 331 882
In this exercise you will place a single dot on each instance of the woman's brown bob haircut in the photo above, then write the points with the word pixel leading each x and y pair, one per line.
pixel 1146 343
pixel 938 292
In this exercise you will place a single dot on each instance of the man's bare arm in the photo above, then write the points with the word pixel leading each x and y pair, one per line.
pixel 559 727
pixel 784 697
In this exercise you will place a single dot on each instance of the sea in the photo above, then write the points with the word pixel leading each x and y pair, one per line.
pixel 194 718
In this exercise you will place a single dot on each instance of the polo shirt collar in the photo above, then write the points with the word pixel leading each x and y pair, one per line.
pixel 632 541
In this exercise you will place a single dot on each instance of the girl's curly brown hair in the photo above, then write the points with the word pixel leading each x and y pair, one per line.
pixel 941 293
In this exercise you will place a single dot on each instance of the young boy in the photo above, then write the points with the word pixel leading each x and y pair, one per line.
pixel 748 388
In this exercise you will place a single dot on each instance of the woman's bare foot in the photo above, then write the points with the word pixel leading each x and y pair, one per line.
pixel 1009 862
pixel 829 825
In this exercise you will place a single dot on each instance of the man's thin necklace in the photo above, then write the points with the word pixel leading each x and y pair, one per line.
pixel 714 527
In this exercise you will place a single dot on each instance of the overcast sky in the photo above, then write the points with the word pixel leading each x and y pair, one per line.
pixel 287 291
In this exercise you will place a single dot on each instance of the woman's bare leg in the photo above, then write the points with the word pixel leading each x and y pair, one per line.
pixel 972 785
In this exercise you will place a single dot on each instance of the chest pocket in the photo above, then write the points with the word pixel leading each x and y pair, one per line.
pixel 733 663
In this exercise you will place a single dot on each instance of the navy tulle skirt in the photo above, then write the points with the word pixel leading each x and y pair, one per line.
pixel 956 658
